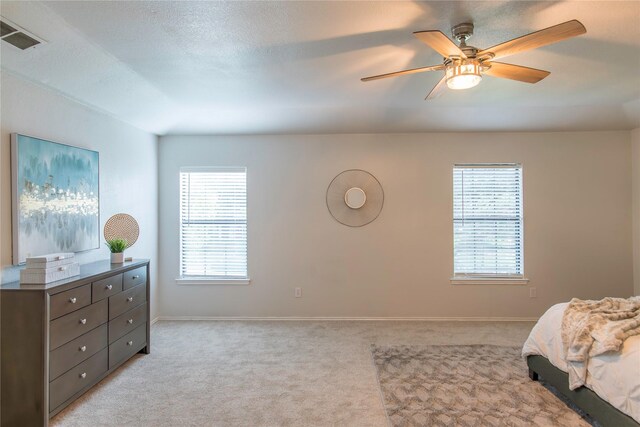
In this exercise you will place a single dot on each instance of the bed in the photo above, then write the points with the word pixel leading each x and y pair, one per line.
pixel 612 391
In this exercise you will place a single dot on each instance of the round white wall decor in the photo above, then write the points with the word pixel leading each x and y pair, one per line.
pixel 355 198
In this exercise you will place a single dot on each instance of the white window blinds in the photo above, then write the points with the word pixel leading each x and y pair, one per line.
pixel 213 222
pixel 487 220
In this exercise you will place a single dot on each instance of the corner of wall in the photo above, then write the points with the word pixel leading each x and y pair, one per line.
pixel 155 310
pixel 635 203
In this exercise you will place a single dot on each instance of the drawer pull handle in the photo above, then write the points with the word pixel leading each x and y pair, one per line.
pixel 129 342
pixel 83 321
pixel 130 299
pixel 109 287
pixel 83 375
pixel 83 348
pixel 130 321
pixel 135 277
pixel 73 300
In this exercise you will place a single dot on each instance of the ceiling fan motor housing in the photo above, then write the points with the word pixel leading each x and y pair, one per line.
pixel 462 32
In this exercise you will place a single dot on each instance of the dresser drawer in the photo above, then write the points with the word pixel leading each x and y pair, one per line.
pixel 126 300
pixel 106 287
pixel 134 277
pixel 127 322
pixel 69 355
pixel 128 345
pixel 68 301
pixel 71 326
pixel 77 379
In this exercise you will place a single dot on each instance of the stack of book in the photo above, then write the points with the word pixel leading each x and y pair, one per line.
pixel 49 268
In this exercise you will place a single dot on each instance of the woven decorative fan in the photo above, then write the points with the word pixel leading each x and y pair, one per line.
pixel 355 198
pixel 122 226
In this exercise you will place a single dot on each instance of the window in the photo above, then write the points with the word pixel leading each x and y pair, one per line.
pixel 213 225
pixel 487 222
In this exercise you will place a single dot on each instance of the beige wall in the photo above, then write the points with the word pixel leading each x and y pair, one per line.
pixel 577 224
pixel 635 159
pixel 576 193
pixel 128 164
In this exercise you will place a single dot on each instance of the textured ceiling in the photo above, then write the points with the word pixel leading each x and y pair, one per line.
pixel 294 67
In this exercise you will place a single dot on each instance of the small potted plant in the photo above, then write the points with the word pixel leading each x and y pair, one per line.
pixel 117 247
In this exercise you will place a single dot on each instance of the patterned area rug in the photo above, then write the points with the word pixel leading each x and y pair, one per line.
pixel 471 385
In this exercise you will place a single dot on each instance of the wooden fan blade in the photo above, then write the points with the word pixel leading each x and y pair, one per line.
pixel 442 44
pixel 437 89
pixel 515 72
pixel 401 73
pixel 537 39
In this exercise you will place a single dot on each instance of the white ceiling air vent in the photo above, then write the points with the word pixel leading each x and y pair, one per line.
pixel 16 36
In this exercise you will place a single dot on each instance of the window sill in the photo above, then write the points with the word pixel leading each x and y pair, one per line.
pixel 211 281
pixel 489 280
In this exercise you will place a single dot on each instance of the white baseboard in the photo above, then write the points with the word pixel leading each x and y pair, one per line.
pixel 358 319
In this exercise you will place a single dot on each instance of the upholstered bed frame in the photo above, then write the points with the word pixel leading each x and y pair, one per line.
pixel 583 397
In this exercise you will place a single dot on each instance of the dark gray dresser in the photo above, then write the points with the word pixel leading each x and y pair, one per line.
pixel 60 339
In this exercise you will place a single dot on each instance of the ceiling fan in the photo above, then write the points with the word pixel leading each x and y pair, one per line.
pixel 464 65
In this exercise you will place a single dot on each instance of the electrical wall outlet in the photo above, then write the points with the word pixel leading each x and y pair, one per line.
pixel 298 293
pixel 532 292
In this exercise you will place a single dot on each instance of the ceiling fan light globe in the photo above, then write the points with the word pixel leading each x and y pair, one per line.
pixel 463 76
pixel 463 81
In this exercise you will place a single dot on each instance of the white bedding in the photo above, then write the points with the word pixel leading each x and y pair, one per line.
pixel 614 377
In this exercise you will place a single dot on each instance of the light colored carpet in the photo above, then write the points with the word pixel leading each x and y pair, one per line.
pixel 465 386
pixel 264 373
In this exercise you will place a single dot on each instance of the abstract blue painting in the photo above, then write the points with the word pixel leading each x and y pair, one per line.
pixel 55 198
